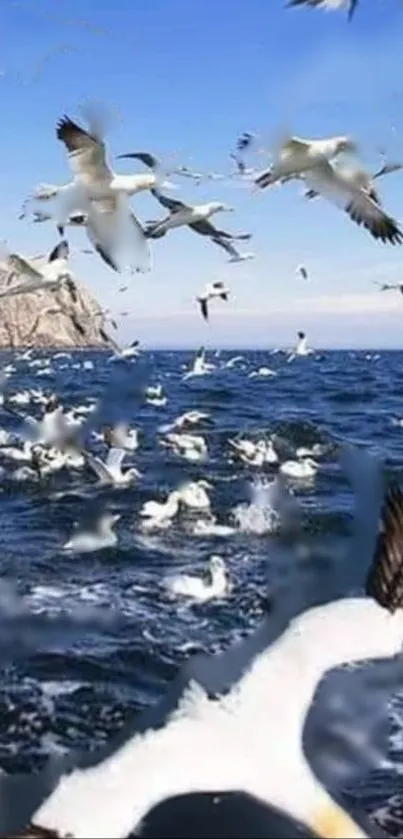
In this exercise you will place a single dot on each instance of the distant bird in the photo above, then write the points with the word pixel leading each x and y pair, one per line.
pixel 390 287
pixel 197 218
pixel 298 156
pixel 50 277
pixel 301 270
pixel 328 5
pixel 243 144
pixel 211 291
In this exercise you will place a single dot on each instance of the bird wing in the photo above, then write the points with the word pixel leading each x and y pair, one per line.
pixel 171 204
pixel 355 201
pixel 25 288
pixel 205 228
pixel 98 467
pixel 87 153
pixel 294 145
pixel 115 459
pixel 387 169
pixel 71 287
pixel 385 578
pixel 226 244
pixel 203 307
pixel 19 266
pixel 117 236
pixel 148 159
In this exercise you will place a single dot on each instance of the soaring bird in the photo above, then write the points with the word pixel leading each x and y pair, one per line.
pixel 52 276
pixel 112 227
pixel 211 291
pixel 297 156
pixel 328 5
pixel 197 218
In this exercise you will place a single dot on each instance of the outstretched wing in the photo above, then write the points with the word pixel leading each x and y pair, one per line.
pixel 385 578
pixel 87 153
pixel 171 204
pixel 361 208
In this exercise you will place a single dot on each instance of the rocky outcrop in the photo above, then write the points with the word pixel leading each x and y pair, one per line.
pixel 59 318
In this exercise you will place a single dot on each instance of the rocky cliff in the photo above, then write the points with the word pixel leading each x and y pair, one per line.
pixel 64 318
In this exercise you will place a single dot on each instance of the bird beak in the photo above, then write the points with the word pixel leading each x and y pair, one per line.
pixel 332 822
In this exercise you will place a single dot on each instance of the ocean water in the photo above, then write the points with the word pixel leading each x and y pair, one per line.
pixel 88 641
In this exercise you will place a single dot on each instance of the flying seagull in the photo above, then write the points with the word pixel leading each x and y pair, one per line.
pixel 236 723
pixel 52 276
pixel 328 5
pixel 243 144
pixel 111 225
pixel 212 290
pixel 197 218
pixel 297 156
pixel 301 270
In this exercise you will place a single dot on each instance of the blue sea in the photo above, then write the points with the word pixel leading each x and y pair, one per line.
pixel 87 642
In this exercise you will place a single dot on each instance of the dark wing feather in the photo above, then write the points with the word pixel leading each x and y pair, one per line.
pixel 204 227
pixel 61 251
pixel 145 157
pixel 385 578
pixel 73 135
pixel 203 307
pixel 171 204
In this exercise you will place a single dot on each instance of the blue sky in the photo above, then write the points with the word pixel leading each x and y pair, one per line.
pixel 185 78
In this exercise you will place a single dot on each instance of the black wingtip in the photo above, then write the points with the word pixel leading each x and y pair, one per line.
pixel 385 578
pixel 60 251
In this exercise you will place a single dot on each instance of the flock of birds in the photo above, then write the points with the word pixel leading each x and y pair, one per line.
pixel 249 736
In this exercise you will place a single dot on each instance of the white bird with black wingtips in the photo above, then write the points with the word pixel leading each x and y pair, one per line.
pixel 211 291
pixel 102 196
pixel 50 277
pixel 251 738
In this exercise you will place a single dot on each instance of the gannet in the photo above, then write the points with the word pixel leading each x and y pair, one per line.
pixel 344 190
pixel 52 276
pixel 188 418
pixel 301 348
pixel 297 156
pixel 155 396
pixel 390 286
pixel 111 225
pixel 303 469
pixel 162 511
pixel 301 270
pixel 328 5
pixel 250 737
pixel 196 588
pixel 194 495
pixel 210 292
pixel 197 218
pixel 190 446
pixel 110 472
pixel 132 351
pixel 200 366
pixel 102 537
